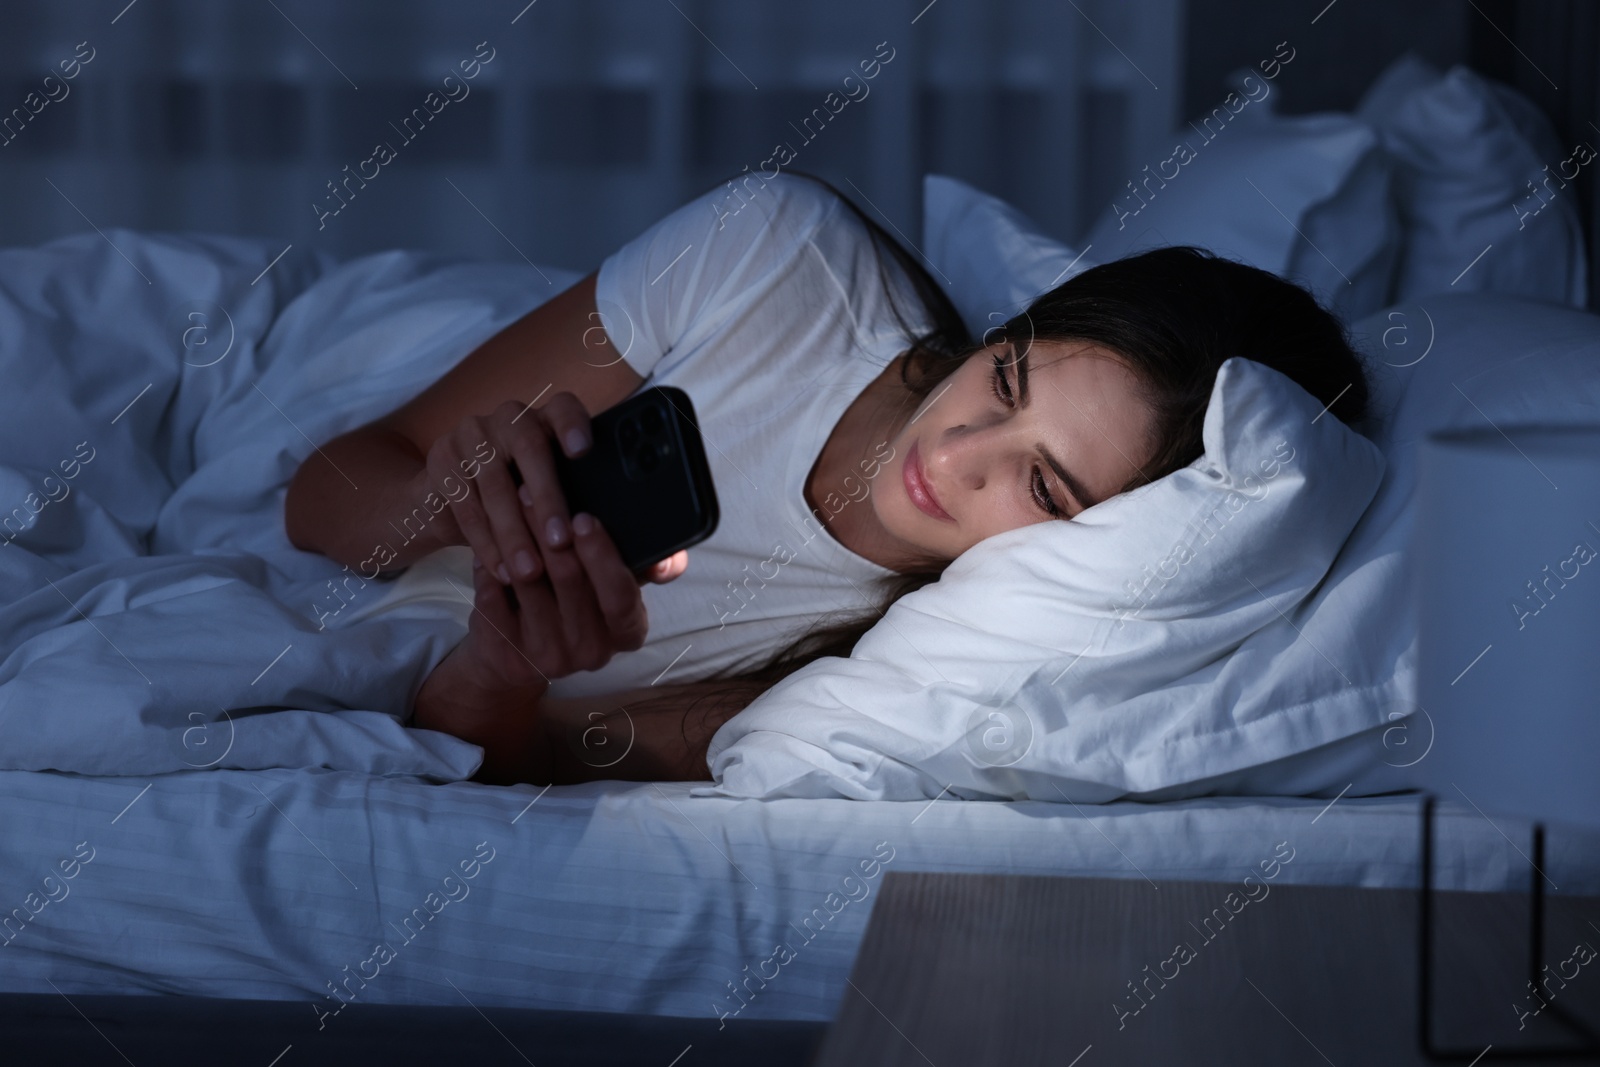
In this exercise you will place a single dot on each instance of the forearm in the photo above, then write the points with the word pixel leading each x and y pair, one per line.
pixel 654 734
pixel 505 723
pixel 363 499
pixel 643 735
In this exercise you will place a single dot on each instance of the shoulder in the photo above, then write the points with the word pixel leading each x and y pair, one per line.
pixel 785 204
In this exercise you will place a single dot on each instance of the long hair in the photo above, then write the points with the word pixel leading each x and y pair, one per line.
pixel 1172 315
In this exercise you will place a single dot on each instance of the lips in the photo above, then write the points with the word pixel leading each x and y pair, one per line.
pixel 917 486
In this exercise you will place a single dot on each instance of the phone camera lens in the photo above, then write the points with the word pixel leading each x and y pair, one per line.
pixel 648 460
pixel 628 435
pixel 652 422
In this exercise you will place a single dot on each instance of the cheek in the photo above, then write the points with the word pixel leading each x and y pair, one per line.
pixel 887 488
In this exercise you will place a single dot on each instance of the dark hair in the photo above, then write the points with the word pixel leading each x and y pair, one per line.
pixel 1172 315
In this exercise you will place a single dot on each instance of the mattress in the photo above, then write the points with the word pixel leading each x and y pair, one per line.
pixel 342 887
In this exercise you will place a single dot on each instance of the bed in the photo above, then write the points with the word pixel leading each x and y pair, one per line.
pixel 334 858
pixel 609 896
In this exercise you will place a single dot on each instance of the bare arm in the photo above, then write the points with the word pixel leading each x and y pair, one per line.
pixel 370 487
pixel 358 497
pixel 657 734
pixel 530 737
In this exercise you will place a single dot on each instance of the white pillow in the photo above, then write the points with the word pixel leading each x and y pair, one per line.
pixel 1088 659
pixel 1347 653
pixel 1470 153
pixel 1308 198
pixel 1407 73
pixel 995 258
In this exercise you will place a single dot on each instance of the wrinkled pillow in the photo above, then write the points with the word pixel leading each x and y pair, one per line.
pixel 1339 234
pixel 1484 188
pixel 1089 660
pixel 996 259
pixel 1306 197
pixel 1348 652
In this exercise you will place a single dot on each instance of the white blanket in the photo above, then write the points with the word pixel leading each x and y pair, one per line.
pixel 161 391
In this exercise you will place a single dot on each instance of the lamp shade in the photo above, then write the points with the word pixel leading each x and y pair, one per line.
pixel 1508 588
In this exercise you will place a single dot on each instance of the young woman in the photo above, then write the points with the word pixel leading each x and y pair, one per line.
pixel 859 440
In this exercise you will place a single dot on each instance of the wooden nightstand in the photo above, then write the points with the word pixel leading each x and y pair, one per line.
pixel 959 970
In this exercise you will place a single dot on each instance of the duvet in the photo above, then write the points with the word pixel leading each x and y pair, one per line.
pixel 160 392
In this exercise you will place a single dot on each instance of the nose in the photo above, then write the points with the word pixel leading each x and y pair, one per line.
pixel 964 456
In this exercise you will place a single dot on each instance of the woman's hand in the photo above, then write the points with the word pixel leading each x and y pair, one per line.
pixel 581 611
pixel 496 517
pixel 489 689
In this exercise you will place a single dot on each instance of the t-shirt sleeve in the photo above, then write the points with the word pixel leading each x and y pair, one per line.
pixel 668 289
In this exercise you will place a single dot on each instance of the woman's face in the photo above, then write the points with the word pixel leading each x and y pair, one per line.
pixel 1019 434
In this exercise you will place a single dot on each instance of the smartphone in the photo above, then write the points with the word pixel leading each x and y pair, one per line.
pixel 645 477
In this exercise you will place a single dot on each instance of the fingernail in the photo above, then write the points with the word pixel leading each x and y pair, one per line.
pixel 577 441
pixel 500 569
pixel 556 530
pixel 525 496
pixel 524 563
pixel 583 523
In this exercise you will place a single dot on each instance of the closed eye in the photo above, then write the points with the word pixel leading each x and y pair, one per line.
pixel 1037 485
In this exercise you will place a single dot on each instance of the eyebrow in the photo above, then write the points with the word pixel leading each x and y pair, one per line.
pixel 1075 487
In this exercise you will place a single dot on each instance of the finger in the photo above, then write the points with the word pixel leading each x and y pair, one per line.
pixel 585 630
pixel 616 592
pixel 538 626
pixel 490 608
pixel 467 509
pixel 494 624
pixel 668 569
pixel 452 487
pixel 542 503
pixel 568 420
pixel 498 495
pixel 547 611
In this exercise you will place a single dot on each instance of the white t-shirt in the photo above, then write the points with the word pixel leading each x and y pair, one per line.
pixel 769 311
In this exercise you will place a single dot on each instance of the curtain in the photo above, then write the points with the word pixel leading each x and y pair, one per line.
pixel 557 130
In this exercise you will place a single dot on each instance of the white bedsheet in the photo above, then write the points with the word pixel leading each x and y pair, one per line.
pixel 608 896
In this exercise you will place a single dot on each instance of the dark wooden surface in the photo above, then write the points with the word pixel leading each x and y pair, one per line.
pixel 87 1031
pixel 964 970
